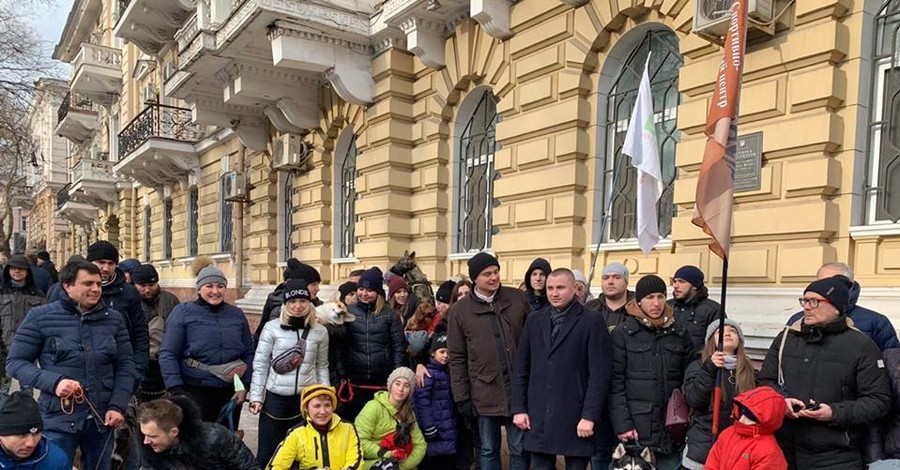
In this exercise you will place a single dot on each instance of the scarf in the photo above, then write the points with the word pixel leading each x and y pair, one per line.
pixel 664 321
pixel 111 280
pixel 557 318
pixel 295 322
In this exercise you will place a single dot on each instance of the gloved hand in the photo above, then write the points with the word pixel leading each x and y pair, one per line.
pixel 430 433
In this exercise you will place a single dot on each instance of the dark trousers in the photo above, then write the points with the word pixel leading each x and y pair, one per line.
pixel 468 445
pixel 548 462
pixel 211 400
pixel 350 410
pixel 96 444
pixel 439 462
pixel 279 414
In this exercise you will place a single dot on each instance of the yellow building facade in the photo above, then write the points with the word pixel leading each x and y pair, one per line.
pixel 345 133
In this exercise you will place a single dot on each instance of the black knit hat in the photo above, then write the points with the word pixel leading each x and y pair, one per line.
pixel 437 342
pixel 44 255
pixel 649 285
pixel 373 279
pixel 836 289
pixel 346 289
pixel 144 274
pixel 445 291
pixel 103 250
pixel 481 261
pixel 295 289
pixel 18 261
pixel 19 414
pixel 297 270
pixel 691 274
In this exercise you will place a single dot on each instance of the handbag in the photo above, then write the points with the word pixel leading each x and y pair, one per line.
pixel 291 359
pixel 678 417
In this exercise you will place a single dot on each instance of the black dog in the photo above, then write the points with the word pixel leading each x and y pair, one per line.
pixel 633 457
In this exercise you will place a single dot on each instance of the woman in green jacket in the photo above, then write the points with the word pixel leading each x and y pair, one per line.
pixel 389 412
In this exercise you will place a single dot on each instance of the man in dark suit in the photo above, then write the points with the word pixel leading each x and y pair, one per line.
pixel 561 378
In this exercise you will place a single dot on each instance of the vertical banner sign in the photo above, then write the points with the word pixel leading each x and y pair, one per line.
pixel 715 187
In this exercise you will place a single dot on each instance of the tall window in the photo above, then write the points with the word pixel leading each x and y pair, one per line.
pixel 346 194
pixel 167 228
pixel 193 209
pixel 147 215
pixel 475 171
pixel 226 224
pixel 883 190
pixel 287 215
pixel 665 62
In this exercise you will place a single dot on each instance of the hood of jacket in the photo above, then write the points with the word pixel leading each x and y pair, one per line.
pixel 701 295
pixel 538 263
pixel 668 318
pixel 29 279
pixel 383 398
pixel 766 404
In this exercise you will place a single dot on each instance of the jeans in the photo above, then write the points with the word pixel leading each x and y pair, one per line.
pixel 489 430
pixel 96 445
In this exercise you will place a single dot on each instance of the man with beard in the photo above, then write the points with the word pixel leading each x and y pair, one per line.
pixel 18 295
pixel 156 304
pixel 691 304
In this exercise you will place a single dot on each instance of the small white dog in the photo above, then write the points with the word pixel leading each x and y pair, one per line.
pixel 333 312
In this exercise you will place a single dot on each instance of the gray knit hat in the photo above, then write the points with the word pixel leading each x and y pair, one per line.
pixel 405 373
pixel 616 268
pixel 714 326
pixel 209 275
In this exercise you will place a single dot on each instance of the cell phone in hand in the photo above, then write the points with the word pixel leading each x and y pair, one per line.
pixel 813 406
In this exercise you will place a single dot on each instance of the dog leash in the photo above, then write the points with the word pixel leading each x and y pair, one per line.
pixel 67 404
pixel 345 390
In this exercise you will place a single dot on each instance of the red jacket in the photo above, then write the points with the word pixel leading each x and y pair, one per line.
pixel 751 447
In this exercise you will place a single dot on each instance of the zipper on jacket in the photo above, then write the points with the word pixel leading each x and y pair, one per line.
pixel 297 374
pixel 316 445
pixel 368 343
pixel 326 458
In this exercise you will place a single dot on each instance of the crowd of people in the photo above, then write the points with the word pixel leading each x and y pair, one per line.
pixel 379 378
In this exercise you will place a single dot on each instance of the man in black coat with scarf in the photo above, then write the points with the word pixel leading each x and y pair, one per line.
pixel 561 378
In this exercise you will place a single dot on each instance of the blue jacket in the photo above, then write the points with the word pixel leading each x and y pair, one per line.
pixel 93 349
pixel 870 322
pixel 42 279
pixel 434 410
pixel 124 297
pixel 47 456
pixel 209 334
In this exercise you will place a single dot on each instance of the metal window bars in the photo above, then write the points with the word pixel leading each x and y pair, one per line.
pixel 287 208
pixel 477 145
pixel 665 63
pixel 883 189
pixel 167 228
pixel 147 220
pixel 193 220
pixel 226 224
pixel 348 201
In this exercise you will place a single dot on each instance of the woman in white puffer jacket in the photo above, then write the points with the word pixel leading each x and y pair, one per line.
pixel 292 353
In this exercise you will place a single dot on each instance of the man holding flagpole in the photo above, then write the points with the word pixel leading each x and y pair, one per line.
pixel 641 145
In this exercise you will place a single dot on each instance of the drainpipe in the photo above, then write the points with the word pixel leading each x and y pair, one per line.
pixel 239 230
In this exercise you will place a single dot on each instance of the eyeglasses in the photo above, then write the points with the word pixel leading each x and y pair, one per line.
pixel 813 303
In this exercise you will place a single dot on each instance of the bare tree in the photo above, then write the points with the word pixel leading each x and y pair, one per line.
pixel 18 152
pixel 22 57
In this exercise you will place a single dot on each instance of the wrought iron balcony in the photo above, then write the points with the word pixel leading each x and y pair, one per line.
pixel 157 146
pixel 78 118
pixel 97 70
pixel 161 122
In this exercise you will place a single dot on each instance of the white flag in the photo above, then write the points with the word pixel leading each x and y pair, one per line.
pixel 641 145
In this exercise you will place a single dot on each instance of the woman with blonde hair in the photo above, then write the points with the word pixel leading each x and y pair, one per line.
pixel 738 376
pixel 292 354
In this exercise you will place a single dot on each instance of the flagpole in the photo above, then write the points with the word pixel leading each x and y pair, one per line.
pixel 717 394
pixel 604 221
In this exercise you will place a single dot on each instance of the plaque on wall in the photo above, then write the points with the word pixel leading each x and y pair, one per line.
pixel 747 162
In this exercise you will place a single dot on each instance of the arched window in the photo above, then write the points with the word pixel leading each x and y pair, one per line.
pixel 474 174
pixel 226 224
pixel 883 188
pixel 345 194
pixel 618 174
pixel 286 211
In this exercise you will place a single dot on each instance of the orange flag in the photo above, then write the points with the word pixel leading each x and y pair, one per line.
pixel 715 187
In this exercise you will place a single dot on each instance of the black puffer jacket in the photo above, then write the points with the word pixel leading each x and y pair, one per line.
pixel 374 344
pixel 201 446
pixel 696 314
pixel 892 436
pixel 699 385
pixel 648 364
pixel 833 364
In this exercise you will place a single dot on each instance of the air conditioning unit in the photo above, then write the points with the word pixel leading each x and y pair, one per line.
pixel 290 153
pixel 234 187
pixel 712 17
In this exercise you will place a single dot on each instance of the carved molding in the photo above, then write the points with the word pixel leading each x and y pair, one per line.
pixel 303 114
pixel 426 39
pixel 277 118
pixel 493 16
pixel 254 138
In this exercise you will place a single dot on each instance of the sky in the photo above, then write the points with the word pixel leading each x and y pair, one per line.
pixel 49 25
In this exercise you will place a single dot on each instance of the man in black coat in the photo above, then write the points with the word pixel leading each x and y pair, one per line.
pixel 691 304
pixel 44 262
pixel 561 378
pixel 832 377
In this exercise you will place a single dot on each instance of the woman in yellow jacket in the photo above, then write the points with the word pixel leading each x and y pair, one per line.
pixel 324 441
pixel 378 421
